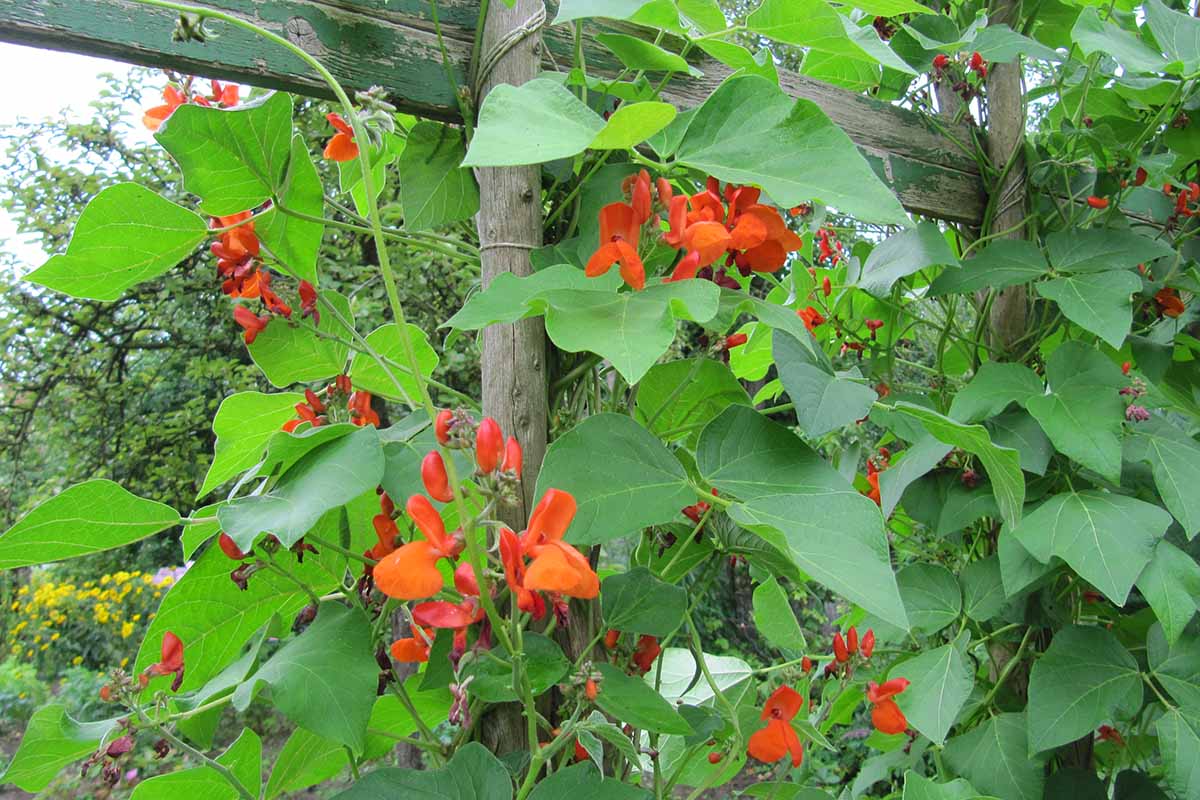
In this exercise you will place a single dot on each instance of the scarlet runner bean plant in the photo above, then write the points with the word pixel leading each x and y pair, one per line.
pixel 1005 517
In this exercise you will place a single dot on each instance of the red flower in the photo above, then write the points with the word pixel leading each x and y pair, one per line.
pixel 645 652
pixel 1107 733
pixel 229 548
pixel 308 302
pixel 852 640
pixel 735 340
pixel 620 230
pixel 441 425
pixel 1169 303
pixel 514 575
pixel 411 573
pixel 873 482
pixel 1125 367
pixel 812 318
pixel 223 96
pixel 170 662
pixel 940 61
pixel 1139 177
pixel 414 649
pixel 251 322
pixel 778 738
pixel 512 457
pixel 611 638
pixel 978 65
pixel 342 146
pixel 886 716
pixel 433 475
pixel 868 643
pixel 840 652
pixel 361 412
pixel 1097 202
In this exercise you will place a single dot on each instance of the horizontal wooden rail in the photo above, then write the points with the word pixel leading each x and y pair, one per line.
pixel 392 43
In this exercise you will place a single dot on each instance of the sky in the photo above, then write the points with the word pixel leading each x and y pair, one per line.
pixel 45 83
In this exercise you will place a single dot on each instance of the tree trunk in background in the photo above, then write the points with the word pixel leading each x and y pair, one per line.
pixel 1005 143
pixel 514 356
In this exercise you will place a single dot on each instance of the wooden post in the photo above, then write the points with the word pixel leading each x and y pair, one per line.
pixel 514 356
pixel 1006 149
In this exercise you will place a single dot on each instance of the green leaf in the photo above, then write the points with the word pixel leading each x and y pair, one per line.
pixel 638 483
pixel 533 123
pixel 816 25
pixel 288 351
pixel 774 617
pixel 823 401
pixel 127 234
pixel 631 329
pixel 325 679
pixel 1018 568
pixel 507 298
pixel 232 159
pixel 570 10
pixel 632 124
pixel 243 758
pixel 243 424
pixel 995 385
pixel 1096 36
pixel 1097 302
pixel 920 788
pixel 922 456
pixel 1002 464
pixel 1179 743
pixel 1174 458
pixel 931 596
pixel 750 131
pixel 214 619
pixel 434 189
pixel 472 774
pixel 1019 431
pixel 296 241
pixel 52 740
pixel 638 601
pixel 901 255
pixel 1004 262
pixel 983 589
pixel 681 397
pixel 1083 413
pixel 1102 249
pixel 998 43
pixel 736 58
pixel 632 701
pixel 890 8
pixel 85 518
pixel 679 671
pixel 1133 785
pixel 1106 538
pixel 493 677
pixel 639 54
pixel 792 497
pixel 203 782
pixel 1086 677
pixel 325 478
pixel 584 782
pixel 367 373
pixel 1171 585
pixel 1179 36
pixel 942 680
pixel 994 757
pixel 1176 665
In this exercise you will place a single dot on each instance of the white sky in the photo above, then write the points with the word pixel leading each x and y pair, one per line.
pixel 40 84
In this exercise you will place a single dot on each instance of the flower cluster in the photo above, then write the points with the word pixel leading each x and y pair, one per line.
pixel 715 224
pixel 316 411
pixel 875 465
pixel 533 563
pixel 778 738
pixel 223 96
pixel 962 85
pixel 60 623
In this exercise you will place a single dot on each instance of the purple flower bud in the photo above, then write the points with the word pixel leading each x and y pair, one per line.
pixel 1136 413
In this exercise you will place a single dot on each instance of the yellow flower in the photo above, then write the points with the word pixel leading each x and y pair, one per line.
pixel 124 661
pixel 21 696
pixel 105 580
pixel 77 660
pixel 126 630
pixel 136 617
pixel 45 647
pixel 54 636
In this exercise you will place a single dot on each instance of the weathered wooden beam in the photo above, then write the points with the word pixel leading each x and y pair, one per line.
pixel 392 43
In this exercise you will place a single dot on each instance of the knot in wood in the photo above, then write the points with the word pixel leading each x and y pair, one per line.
pixel 301 33
pixel 527 195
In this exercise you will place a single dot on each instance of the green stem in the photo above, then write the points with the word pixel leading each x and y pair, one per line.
pixel 414 241
pixel 337 548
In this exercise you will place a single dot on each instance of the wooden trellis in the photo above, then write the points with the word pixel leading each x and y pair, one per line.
pixel 393 44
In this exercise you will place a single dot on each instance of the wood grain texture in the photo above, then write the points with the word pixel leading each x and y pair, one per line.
pixel 391 43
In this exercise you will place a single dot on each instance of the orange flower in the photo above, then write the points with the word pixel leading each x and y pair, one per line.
pixel 645 652
pixel 251 322
pixel 812 318
pixel 778 738
pixel 170 662
pixel 514 575
pixel 886 716
pixel 342 146
pixel 172 99
pixel 415 648
pixel 620 230
pixel 411 573
pixel 1169 302
pixel 755 236
pixel 873 481
pixel 556 566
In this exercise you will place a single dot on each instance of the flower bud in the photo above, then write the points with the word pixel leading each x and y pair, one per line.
pixel 852 640
pixel 839 648
pixel 433 475
pixel 489 445
pixel 512 456
pixel 441 425
pixel 868 643
pixel 229 548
